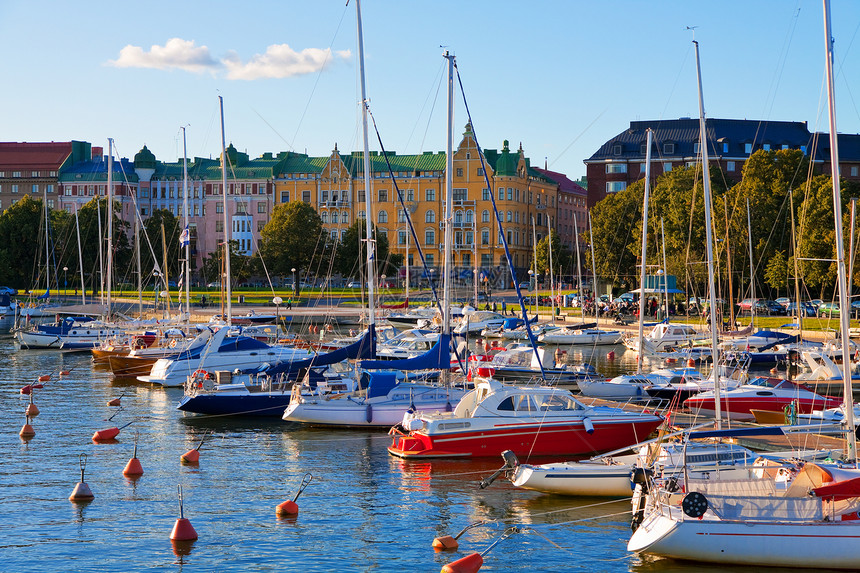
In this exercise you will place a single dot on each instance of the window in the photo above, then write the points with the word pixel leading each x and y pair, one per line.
pixel 696 147
pixel 241 208
pixel 16 174
pixel 14 188
pixel 467 259
pixel 383 195
pixel 430 216
pixel 361 195
pixel 410 195
pixel 669 148
pixel 401 216
pixel 803 149
pixel 725 147
pixel 260 225
pixel 35 188
pixel 401 237
pixel 430 237
pixel 324 196
pixel 617 149
pixel 730 165
pixel 382 217
pixel 50 188
pixel 344 217
pixel 485 216
pixel 747 147
pixel 430 259
pixel 485 194
pixel 459 172
pixel 480 171
pixel 458 217
pixel 643 167
pixel 460 194
pixel 285 196
pixel 324 217
pixel 766 146
pixel 196 210
pixel 219 226
pixel 429 194
pixel 334 218
pixel 510 193
pixel 510 216
pixel 615 186
pixel 616 168
pixel 667 167
pixel 261 207
pixel 784 146
pixel 539 220
pixel 470 215
pixel 853 171
pixel 485 236
pixel 306 196
pixel 219 207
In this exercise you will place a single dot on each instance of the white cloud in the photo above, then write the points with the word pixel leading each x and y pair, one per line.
pixel 281 61
pixel 176 53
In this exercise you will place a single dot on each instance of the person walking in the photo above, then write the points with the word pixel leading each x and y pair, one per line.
pixel 289 303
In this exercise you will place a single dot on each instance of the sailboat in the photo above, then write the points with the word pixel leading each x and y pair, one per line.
pixel 381 399
pixel 760 521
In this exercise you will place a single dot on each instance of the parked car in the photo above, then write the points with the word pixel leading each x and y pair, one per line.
pixel 8 290
pixel 769 307
pixel 829 309
pixel 353 284
pixel 525 285
pixel 784 301
pixel 746 304
pixel 806 309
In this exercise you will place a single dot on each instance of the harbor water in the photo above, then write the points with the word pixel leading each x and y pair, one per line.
pixel 364 510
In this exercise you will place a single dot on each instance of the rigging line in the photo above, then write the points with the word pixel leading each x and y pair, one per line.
pixel 677 79
pixel 847 84
pixel 316 82
pixel 781 62
pixel 438 83
pixel 460 359
pixel 502 236
pixel 577 138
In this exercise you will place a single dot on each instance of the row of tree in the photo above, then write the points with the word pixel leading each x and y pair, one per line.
pixel 772 184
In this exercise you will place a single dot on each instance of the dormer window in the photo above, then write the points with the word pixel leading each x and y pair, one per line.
pixel 766 146
pixel 617 149
pixel 669 148
pixel 696 147
pixel 725 147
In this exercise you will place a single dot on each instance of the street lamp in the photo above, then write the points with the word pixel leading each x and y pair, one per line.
pixel 295 284
pixel 382 286
pixel 65 281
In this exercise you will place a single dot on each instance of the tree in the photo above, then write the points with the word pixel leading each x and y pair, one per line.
pixel 776 274
pixel 22 244
pixel 562 259
pixel 242 267
pixel 152 227
pixel 351 257
pixel 293 238
pixel 88 216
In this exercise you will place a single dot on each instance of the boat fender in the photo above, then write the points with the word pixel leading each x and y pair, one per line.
pixel 695 504
pixel 368 413
pixel 208 384
pixel 413 424
pixel 589 425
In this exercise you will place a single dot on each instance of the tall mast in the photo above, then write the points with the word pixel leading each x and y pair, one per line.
pixel 47 243
pixel 227 234
pixel 109 216
pixel 712 293
pixel 593 270
pixel 665 269
pixel 81 258
pixel 101 240
pixel 449 199
pixel 139 269
pixel 475 255
pixel 534 255
pixel 368 211
pixel 186 233
pixel 647 194
pixel 407 265
pixel 551 277
pixel 578 266
pixel 840 248
pixel 752 265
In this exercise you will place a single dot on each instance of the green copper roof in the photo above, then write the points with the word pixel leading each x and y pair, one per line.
pixel 506 165
pixel 144 159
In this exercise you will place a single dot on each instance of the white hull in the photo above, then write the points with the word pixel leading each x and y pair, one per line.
pixel 345 412
pixel 29 339
pixel 576 478
pixel 589 337
pixel 612 390
pixel 823 545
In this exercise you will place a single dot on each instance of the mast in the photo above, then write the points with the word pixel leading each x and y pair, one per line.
pixel 475 254
pixel 81 258
pixel 368 216
pixel 578 266
pixel 534 254
pixel 752 266
pixel 593 269
pixel 840 248
pixel 796 273
pixel 650 135
pixel 712 294
pixel 665 270
pixel 109 216
pixel 186 233
pixel 139 270
pixel 407 266
pixel 449 204
pixel 551 278
pixel 228 289
pixel 101 262
pixel 47 243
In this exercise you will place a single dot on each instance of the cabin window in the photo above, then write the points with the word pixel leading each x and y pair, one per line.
pixel 507 404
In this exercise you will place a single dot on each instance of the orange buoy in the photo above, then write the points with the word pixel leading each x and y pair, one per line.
pixel 691 362
pixel 26 390
pixel 133 468
pixel 32 410
pixel 27 430
pixel 182 529
pixel 44 377
pixel 65 372
pixel 445 543
pixel 116 402
pixel 193 456
pixel 468 564
pixel 82 492
pixel 104 435
pixel 290 508
pixel 611 355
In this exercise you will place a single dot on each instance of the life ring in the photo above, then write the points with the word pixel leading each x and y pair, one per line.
pixel 199 373
pixel 173 343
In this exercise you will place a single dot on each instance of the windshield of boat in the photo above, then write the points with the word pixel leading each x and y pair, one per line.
pixel 540 403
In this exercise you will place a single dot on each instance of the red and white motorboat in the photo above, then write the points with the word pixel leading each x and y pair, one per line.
pixel 771 394
pixel 531 421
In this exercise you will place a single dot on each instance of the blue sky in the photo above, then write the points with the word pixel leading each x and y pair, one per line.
pixel 560 77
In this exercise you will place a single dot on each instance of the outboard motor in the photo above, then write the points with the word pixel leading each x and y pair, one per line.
pixel 642 478
pixel 511 463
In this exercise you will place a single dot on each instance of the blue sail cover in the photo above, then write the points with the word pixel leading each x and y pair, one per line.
pixel 362 348
pixel 44 296
pixel 437 358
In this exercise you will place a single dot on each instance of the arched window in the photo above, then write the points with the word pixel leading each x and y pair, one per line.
pixel 485 216
pixel 470 216
pixel 458 216
pixel 430 216
pixel 344 217
pixel 510 216
pixel 382 217
pixel 324 217
pixel 334 217
pixel 430 237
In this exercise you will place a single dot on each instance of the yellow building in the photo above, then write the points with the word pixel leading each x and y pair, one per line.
pixel 526 201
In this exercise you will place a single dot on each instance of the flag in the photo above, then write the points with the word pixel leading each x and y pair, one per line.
pixel 185 237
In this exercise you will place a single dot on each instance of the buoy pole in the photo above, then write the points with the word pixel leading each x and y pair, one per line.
pixel 193 456
pixel 27 430
pixel 182 529
pixel 290 508
pixel 472 563
pixel 32 410
pixel 82 492
pixel 448 543
pixel 133 469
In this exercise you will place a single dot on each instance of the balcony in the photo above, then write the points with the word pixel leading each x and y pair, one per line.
pixel 332 203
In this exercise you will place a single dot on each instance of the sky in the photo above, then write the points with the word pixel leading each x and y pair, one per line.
pixel 558 77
